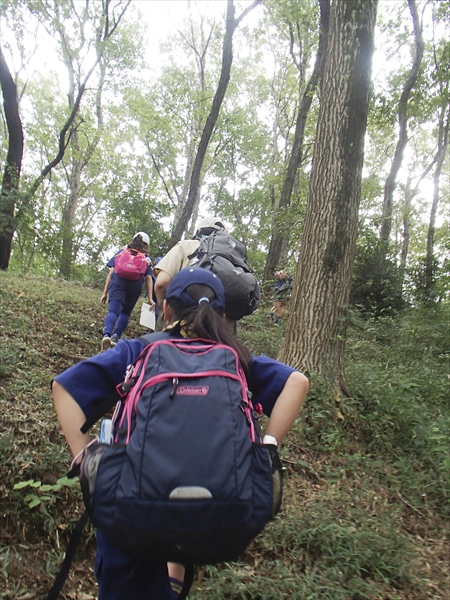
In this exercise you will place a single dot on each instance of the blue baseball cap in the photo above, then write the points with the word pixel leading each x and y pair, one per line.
pixel 192 275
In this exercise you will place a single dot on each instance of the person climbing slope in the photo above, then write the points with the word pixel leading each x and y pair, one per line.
pixel 128 269
pixel 193 309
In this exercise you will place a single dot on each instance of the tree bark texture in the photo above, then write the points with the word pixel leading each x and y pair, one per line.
pixel 389 188
pixel 13 165
pixel 79 160
pixel 315 332
pixel 444 122
pixel 279 229
pixel 227 60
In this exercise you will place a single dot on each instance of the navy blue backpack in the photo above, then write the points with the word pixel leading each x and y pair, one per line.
pixel 186 478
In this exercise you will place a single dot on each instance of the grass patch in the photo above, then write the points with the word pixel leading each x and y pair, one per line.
pixel 366 487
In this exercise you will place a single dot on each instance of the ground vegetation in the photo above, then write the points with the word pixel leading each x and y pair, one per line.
pixel 366 504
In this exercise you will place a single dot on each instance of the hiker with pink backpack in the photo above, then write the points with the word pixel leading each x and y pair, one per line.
pixel 128 269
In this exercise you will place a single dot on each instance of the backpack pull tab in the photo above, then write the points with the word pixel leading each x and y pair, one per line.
pixel 174 387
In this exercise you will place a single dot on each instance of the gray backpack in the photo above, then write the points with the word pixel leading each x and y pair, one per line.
pixel 227 257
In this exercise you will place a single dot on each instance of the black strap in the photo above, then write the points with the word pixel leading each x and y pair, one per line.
pixel 189 572
pixel 101 410
pixel 70 553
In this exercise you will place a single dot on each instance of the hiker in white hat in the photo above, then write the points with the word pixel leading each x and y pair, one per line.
pixel 178 257
pixel 128 269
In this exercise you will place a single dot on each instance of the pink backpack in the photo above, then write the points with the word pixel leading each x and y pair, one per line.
pixel 131 264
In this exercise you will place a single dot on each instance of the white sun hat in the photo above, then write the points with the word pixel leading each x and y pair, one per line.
pixel 144 237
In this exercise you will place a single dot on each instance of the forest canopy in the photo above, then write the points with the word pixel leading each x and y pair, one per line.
pixel 130 147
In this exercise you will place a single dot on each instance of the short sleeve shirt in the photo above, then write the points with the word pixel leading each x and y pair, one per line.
pixel 93 380
pixel 177 258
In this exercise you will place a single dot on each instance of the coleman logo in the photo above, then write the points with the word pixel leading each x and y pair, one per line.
pixel 192 390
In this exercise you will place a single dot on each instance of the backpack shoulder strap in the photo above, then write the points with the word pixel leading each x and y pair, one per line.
pixel 189 572
pixel 197 250
pixel 149 338
pixel 70 553
pixel 116 396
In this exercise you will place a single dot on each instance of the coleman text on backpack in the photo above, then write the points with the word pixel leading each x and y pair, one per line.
pixel 186 478
pixel 227 257
pixel 131 264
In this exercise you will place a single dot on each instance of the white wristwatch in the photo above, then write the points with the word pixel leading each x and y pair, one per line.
pixel 269 439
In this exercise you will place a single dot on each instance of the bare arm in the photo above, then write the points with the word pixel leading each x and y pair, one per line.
pixel 107 284
pixel 71 418
pixel 288 406
pixel 149 284
pixel 161 285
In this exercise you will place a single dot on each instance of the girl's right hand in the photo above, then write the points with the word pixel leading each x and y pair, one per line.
pixel 103 298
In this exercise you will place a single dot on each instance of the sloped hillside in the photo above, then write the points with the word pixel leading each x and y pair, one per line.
pixel 347 530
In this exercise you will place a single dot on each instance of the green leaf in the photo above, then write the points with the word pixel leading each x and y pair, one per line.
pixel 22 484
pixel 71 482
pixel 47 487
pixel 32 500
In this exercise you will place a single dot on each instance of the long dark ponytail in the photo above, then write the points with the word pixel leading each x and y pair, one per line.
pixel 204 322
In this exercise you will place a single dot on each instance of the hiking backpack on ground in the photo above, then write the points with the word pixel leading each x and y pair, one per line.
pixel 131 264
pixel 227 257
pixel 186 478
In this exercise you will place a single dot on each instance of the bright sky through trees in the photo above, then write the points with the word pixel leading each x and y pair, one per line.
pixel 163 20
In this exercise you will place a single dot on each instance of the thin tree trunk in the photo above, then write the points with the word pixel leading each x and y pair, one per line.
pixel 279 235
pixel 389 188
pixel 315 332
pixel 441 153
pixel 13 165
pixel 68 218
pixel 409 195
pixel 79 163
pixel 227 60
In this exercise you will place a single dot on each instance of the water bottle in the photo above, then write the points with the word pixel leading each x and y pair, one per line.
pixel 106 428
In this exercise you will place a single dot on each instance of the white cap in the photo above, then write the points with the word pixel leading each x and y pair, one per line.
pixel 211 222
pixel 144 237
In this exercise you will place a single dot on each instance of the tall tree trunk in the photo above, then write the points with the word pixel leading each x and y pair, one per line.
pixel 80 161
pixel 389 188
pixel 440 156
pixel 227 60
pixel 68 219
pixel 13 165
pixel 409 195
pixel 295 159
pixel 315 333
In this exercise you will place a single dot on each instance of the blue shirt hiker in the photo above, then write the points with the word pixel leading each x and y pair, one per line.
pixel 124 290
pixel 194 302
